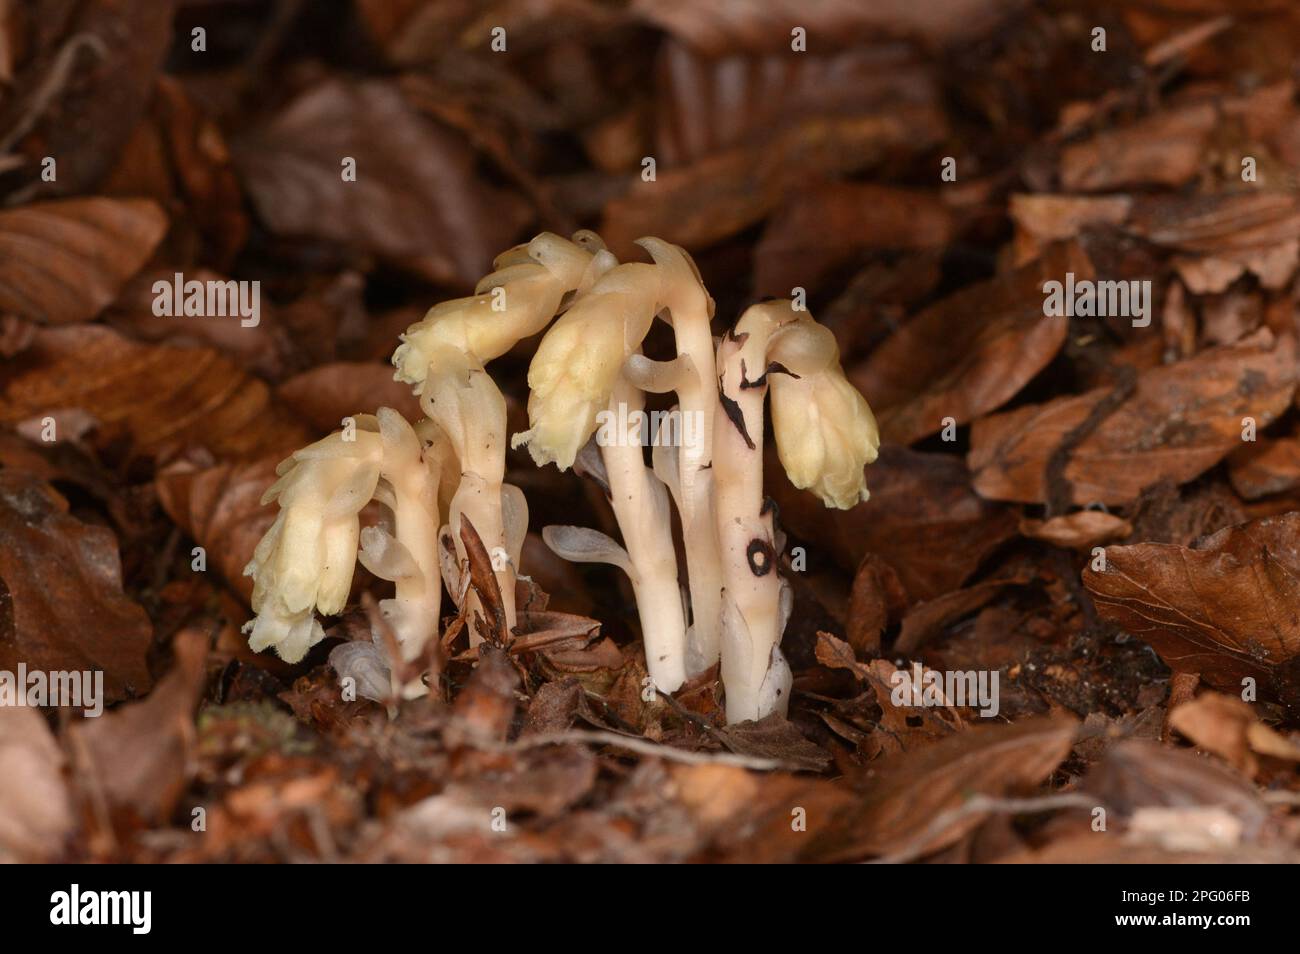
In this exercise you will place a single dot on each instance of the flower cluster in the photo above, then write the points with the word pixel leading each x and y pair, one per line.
pixel 588 364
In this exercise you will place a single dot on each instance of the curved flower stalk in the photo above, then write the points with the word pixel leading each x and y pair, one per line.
pixel 410 474
pixel 515 301
pixel 578 363
pixel 818 450
pixel 463 401
pixel 690 311
pixel 443 356
pixel 305 561
pixel 640 503
pixel 577 368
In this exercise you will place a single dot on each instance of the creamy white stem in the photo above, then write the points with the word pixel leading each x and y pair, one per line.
pixel 690 310
pixel 640 503
pixel 464 401
pixel 751 614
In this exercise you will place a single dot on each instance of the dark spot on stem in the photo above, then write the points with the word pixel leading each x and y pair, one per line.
pixel 736 416
pixel 760 556
pixel 776 367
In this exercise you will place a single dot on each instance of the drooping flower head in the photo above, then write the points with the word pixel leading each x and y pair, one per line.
pixel 304 563
pixel 825 431
pixel 578 362
pixel 512 303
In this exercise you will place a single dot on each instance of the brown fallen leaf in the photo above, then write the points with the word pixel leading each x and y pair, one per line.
pixel 1269 467
pixel 65 261
pixel 775 737
pixel 907 793
pixel 546 782
pixel 834 653
pixel 162 397
pixel 877 599
pixel 821 229
pixel 1042 219
pixel 62 581
pixel 718 196
pixel 1217 223
pixel 415 198
pixel 747 818
pixel 178 157
pixel 1229 727
pixel 1081 530
pixel 1227 608
pixel 485 708
pixel 944 364
pixel 765 24
pixel 264 349
pixel 220 508
pixel 140 757
pixel 1137 775
pixel 98 61
pixel 327 393
pixel 705 104
pixel 1166 149
pixel 922 520
pixel 925 620
pixel 36 814
pixel 1181 420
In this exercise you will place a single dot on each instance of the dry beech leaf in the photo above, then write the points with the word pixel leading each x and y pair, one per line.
pixel 970 353
pixel 718 196
pixel 62 581
pixel 35 811
pixel 141 755
pixel 1081 530
pixel 485 708
pixel 178 157
pixel 1137 775
pixel 876 600
pixel 328 393
pixel 704 105
pixel 1229 727
pixel 1226 609
pixel 1182 420
pixel 908 792
pixel 922 520
pixel 1166 149
pixel 123 46
pixel 764 25
pixel 415 199
pixel 1217 224
pixel 823 228
pixel 1266 468
pixel 220 508
pixel 65 261
pixel 161 396
pixel 775 737
pixel 1042 219
pixel 926 620
pixel 835 653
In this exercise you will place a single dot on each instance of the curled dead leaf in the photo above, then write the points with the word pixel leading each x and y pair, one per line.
pixel 943 365
pixel 1181 420
pixel 65 261
pixel 62 582
pixel 1227 608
